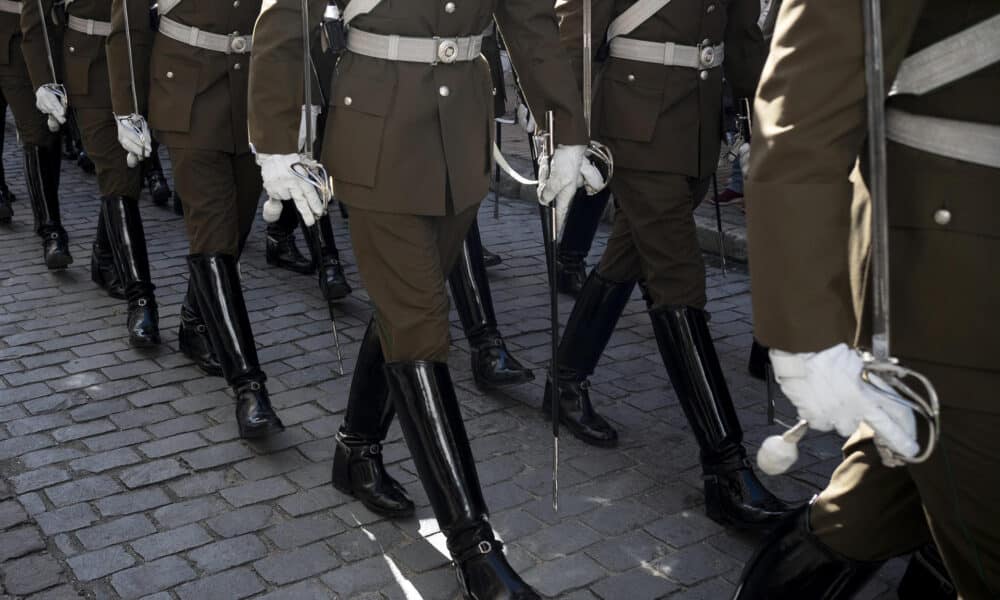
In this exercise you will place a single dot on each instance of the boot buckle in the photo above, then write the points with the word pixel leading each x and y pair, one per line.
pixel 255 386
pixel 201 328
pixel 484 547
pixel 141 302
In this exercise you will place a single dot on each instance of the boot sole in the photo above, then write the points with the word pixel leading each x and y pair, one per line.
pixel 576 433
pixel 6 214
pixel 288 267
pixel 258 433
pixel 391 514
pixel 485 386
pixel 59 262
pixel 339 294
pixel 144 342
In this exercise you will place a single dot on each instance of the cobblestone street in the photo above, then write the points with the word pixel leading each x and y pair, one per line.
pixel 122 474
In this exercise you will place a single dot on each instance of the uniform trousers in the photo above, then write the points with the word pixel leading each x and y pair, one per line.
pixel 99 134
pixel 871 512
pixel 404 261
pixel 15 82
pixel 221 191
pixel 654 239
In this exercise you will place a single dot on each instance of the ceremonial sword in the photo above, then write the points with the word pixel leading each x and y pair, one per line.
pixel 55 87
pixel 131 159
pixel 311 171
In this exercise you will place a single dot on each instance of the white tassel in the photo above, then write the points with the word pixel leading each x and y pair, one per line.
pixel 779 452
pixel 272 210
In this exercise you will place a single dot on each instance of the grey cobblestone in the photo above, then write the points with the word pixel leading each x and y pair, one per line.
pixel 100 563
pixel 228 553
pixel 20 541
pixel 158 575
pixel 115 532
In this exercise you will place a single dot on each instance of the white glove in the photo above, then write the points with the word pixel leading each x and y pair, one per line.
pixel 313 114
pixel 134 137
pixel 828 392
pixel 282 184
pixel 559 178
pixel 51 100
pixel 743 153
pixel 525 119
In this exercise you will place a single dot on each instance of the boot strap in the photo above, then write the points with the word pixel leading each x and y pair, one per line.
pixel 482 548
pixel 714 471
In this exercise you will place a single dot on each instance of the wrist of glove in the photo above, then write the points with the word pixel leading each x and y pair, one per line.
pixel 51 100
pixel 281 183
pixel 134 137
pixel 828 392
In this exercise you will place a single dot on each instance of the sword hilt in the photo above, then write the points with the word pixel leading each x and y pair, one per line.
pixel 888 378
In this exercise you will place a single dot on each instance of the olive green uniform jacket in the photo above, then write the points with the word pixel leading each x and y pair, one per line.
pixel 398 134
pixel 15 81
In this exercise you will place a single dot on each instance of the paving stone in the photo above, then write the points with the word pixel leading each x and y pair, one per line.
pixel 560 540
pixel 96 410
pixel 257 491
pixel 65 519
pixel 17 446
pixel 228 553
pixel 420 557
pixel 243 520
pixel 62 592
pixel 82 490
pixel 155 576
pixel 199 484
pixel 117 439
pixel 31 574
pixel 310 501
pixel 104 461
pixel 556 577
pixel 270 465
pixel 39 478
pixel 30 425
pixel 238 583
pixel 304 530
pixel 20 541
pixel 132 502
pixel 623 552
pixel 304 590
pixel 142 416
pixel 100 563
pixel 637 584
pixel 285 567
pixel 11 514
pixel 151 472
pixel 171 542
pixel 172 445
pixel 191 511
pixel 694 564
pixel 75 432
pixel 351 580
pixel 115 532
pixel 216 455
pixel 684 528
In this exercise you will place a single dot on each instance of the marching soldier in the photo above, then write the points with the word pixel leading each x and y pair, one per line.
pixel 942 63
pixel 659 112
pixel 42 156
pixel 120 236
pixel 196 75
pixel 408 146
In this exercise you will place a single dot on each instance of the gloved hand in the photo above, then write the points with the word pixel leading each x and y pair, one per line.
pixel 559 178
pixel 51 99
pixel 134 137
pixel 828 392
pixel 281 183
pixel 743 154
pixel 525 119
pixel 313 114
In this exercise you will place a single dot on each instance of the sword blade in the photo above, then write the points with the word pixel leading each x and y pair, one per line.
pixel 307 81
pixel 588 58
pixel 48 43
pixel 131 58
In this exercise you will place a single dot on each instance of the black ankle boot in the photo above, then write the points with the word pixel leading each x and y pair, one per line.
pixel 159 189
pixel 357 461
pixel 102 261
pixel 425 401
pixel 490 259
pixel 759 361
pixel 220 300
pixel 593 320
pixel 493 366
pixel 123 225
pixel 571 273
pixel 332 281
pixel 792 564
pixel 281 250
pixel 6 204
pixel 733 494
pixel 42 166
pixel 192 338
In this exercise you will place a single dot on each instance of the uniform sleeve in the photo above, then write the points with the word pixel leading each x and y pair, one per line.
pixel 116 46
pixel 275 96
pixel 808 133
pixel 36 56
pixel 745 49
pixel 570 13
pixel 531 33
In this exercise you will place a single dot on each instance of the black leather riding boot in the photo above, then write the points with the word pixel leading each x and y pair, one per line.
pixel 490 259
pixel 758 361
pixel 424 397
pixel 357 461
pixel 593 320
pixel 156 182
pixel 128 242
pixel 281 250
pixel 578 234
pixel 493 366
pixel 41 165
pixel 102 261
pixel 733 494
pixel 926 577
pixel 220 299
pixel 792 564
pixel 192 336
pixel 332 281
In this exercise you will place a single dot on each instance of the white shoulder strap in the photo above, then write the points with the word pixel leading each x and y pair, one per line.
pixel 950 59
pixel 165 6
pixel 357 8
pixel 633 17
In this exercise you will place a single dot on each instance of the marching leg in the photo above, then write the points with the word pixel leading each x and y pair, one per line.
pixel 6 197
pixel 493 366
pixel 733 493
pixel 281 250
pixel 128 242
pixel 357 461
pixel 220 297
pixel 102 261
pixel 332 281
pixel 192 336
pixel 155 181
pixel 581 226
pixel 42 164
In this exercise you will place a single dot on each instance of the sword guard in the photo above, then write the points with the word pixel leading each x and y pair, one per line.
pixel 314 173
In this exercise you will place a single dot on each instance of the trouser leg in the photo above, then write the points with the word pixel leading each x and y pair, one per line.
pixel 578 235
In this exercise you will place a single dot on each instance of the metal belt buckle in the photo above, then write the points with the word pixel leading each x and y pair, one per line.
pixel 706 56
pixel 447 50
pixel 237 43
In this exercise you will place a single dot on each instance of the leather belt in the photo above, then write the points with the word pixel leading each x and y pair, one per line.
pixel 413 49
pixel 6 6
pixel 233 43
pixel 669 54
pixel 89 26
pixel 977 143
